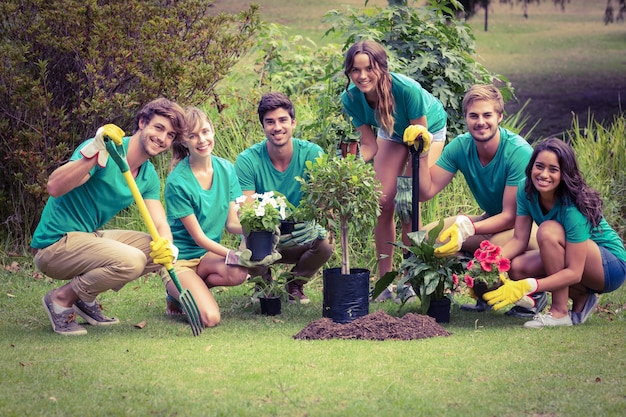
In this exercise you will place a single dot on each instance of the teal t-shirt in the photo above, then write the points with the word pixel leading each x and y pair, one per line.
pixel 487 183
pixel 90 206
pixel 411 102
pixel 184 196
pixel 576 225
pixel 256 171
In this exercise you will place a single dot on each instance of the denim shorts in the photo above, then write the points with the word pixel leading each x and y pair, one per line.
pixel 614 270
pixel 438 136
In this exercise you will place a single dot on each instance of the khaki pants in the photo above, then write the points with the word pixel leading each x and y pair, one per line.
pixel 97 262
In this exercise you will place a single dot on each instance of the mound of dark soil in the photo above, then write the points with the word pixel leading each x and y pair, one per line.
pixel 376 326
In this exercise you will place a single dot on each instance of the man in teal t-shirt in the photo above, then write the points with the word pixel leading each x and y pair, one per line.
pixel 492 160
pixel 85 194
pixel 272 165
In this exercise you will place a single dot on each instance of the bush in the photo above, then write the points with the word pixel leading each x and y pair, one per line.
pixel 601 158
pixel 70 66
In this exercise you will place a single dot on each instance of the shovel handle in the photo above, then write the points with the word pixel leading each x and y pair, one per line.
pixel 415 187
pixel 119 156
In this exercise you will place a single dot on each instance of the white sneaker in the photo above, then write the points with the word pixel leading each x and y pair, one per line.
pixel 546 320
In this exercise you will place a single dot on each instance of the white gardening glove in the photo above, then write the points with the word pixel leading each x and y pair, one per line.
pixel 455 235
pixel 97 147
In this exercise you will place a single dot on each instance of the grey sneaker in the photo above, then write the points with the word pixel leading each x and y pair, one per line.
pixel 93 314
pixel 406 294
pixel 387 294
pixel 588 308
pixel 64 323
pixel 546 320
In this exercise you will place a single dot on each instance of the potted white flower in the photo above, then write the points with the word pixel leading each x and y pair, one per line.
pixel 260 219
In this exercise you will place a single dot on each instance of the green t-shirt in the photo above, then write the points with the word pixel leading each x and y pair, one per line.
pixel 576 225
pixel 411 102
pixel 90 206
pixel 256 171
pixel 487 183
pixel 184 196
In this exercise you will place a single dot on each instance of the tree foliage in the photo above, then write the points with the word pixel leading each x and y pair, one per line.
pixel 426 44
pixel 69 66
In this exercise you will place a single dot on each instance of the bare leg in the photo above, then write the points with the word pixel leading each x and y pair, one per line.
pixel 388 164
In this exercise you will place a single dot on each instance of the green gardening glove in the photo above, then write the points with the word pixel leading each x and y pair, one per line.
pixel 455 235
pixel 242 258
pixel 404 199
pixel 511 292
pixel 303 233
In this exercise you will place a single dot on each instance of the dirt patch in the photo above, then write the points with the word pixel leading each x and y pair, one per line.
pixel 376 326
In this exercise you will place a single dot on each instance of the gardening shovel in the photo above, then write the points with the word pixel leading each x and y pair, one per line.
pixel 190 308
pixel 415 188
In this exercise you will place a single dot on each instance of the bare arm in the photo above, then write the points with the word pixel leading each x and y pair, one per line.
pixel 369 147
pixel 232 222
pixel 157 212
pixel 503 221
pixel 195 231
pixel 69 176
pixel 432 180
pixel 521 235
pixel 575 258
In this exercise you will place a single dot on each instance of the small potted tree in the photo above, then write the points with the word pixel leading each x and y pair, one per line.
pixel 343 194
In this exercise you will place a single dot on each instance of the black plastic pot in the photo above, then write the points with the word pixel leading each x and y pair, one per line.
pixel 260 243
pixel 270 306
pixel 346 297
pixel 440 310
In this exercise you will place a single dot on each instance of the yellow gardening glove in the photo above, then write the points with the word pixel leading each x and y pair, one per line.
pixel 510 292
pixel 454 236
pixel 163 252
pixel 97 147
pixel 415 133
pixel 113 132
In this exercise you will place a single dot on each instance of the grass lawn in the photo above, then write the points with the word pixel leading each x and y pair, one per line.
pixel 251 365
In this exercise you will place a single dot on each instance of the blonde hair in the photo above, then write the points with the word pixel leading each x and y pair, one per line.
pixel 487 92
pixel 385 105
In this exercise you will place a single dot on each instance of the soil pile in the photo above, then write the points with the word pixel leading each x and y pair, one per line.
pixel 376 326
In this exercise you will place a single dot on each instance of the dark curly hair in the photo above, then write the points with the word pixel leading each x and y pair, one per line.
pixel 572 189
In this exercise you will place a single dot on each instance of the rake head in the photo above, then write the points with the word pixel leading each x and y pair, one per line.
pixel 190 308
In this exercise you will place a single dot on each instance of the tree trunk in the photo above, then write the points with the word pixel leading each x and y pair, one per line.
pixel 345 260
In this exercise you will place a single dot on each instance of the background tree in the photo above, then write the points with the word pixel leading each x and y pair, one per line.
pixel 70 66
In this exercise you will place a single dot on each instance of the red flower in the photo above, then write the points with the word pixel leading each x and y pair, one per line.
pixel 469 281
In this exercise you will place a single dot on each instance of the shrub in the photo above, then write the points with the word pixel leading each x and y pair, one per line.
pixel 601 158
pixel 70 66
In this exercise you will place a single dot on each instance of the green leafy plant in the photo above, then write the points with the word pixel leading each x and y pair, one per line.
pixel 431 277
pixel 78 67
pixel 274 288
pixel 339 192
pixel 264 212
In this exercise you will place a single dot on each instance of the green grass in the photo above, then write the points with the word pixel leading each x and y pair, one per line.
pixel 251 365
